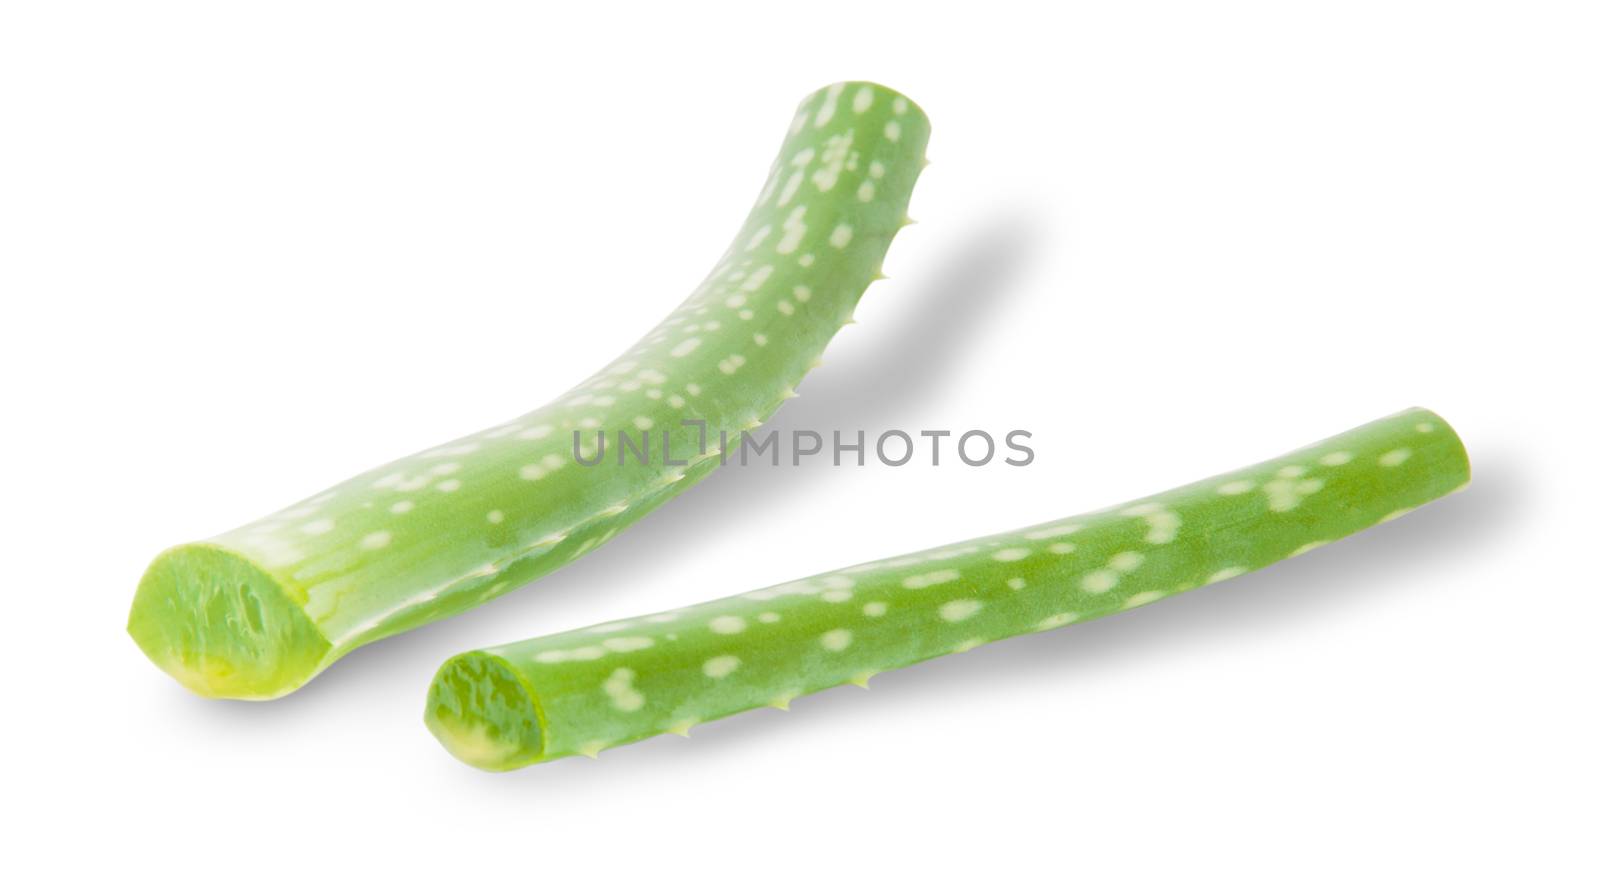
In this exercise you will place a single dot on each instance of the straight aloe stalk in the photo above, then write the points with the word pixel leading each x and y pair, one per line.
pixel 257 611
pixel 582 691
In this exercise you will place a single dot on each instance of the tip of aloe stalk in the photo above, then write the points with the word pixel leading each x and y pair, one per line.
pixel 222 626
pixel 483 713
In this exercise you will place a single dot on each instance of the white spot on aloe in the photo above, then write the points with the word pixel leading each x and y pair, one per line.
pixel 546 464
pixel 1335 459
pixel 1016 583
pixel 756 278
pixel 1235 487
pixel 318 527
pixel 1162 523
pixel 720 666
pixel 929 579
pixel 1099 581
pixel 863 99
pixel 834 155
pixel 1394 457
pixel 1061 548
pixel 875 609
pixel 1060 619
pixel 619 687
pixel 496 517
pixel 794 231
pixel 1225 574
pixel 1125 562
pixel 836 640
pixel 684 348
pixel 891 130
pixel 1288 487
pixel 627 644
pixel 790 188
pixel 402 506
pixel 959 610
pixel 840 238
pixel 1142 598
pixel 830 104
pixel 1007 555
pixel 727 624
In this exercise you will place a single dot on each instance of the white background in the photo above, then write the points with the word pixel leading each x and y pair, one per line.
pixel 247 250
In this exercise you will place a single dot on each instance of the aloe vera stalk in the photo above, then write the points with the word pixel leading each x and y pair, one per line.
pixel 582 691
pixel 256 612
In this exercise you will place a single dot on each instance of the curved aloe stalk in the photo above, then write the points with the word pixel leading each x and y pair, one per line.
pixel 585 690
pixel 256 612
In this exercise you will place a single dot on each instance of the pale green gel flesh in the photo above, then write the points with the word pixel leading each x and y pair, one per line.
pixel 589 689
pixel 442 531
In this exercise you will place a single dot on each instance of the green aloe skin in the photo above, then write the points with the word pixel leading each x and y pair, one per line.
pixel 582 691
pixel 256 612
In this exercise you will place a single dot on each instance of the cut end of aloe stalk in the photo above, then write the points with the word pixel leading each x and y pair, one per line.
pixel 222 626
pixel 484 715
